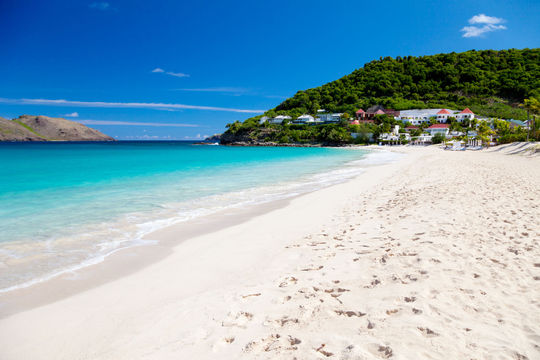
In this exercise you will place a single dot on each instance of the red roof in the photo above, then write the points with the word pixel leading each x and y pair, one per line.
pixel 467 111
pixel 360 111
pixel 443 111
pixel 411 127
pixel 439 126
pixel 355 122
pixel 379 112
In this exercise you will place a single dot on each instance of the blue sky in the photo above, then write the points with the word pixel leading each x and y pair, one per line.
pixel 183 69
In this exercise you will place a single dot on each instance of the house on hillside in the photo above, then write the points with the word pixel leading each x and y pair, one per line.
pixel 442 129
pixel 325 117
pixel 419 116
pixel 361 116
pixel 304 119
pixel 279 119
pixel 374 110
pixel 443 115
pixel 465 114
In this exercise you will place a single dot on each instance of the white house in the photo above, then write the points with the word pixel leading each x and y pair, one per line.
pixel 304 119
pixel 263 119
pixel 419 116
pixel 466 114
pixel 394 135
pixel 442 129
pixel 325 117
pixel 279 119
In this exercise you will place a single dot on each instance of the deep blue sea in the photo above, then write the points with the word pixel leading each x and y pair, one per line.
pixel 66 205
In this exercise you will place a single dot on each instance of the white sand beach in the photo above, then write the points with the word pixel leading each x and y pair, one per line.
pixel 435 256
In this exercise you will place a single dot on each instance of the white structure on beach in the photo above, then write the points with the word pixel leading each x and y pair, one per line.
pixel 395 135
pixel 442 129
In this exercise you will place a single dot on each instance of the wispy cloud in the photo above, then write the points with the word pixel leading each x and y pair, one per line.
pixel 103 6
pixel 131 123
pixel 130 105
pixel 73 114
pixel 490 23
pixel 217 89
pixel 484 19
pixel 175 74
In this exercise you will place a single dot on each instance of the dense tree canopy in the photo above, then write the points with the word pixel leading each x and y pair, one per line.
pixel 491 83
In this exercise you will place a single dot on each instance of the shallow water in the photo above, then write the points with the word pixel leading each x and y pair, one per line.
pixel 66 205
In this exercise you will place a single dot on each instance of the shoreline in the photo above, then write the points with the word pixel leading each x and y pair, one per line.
pixel 127 260
pixel 257 194
pixel 358 267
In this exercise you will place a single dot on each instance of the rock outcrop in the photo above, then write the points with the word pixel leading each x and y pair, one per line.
pixel 44 128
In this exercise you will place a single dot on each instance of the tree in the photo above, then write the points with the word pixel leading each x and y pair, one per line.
pixel 485 132
pixel 437 138
pixel 533 107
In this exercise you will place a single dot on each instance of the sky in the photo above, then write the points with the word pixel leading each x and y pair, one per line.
pixel 149 70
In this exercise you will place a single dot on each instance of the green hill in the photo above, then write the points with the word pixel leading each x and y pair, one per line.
pixel 490 83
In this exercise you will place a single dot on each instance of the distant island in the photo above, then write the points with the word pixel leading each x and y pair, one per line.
pixel 501 89
pixel 44 128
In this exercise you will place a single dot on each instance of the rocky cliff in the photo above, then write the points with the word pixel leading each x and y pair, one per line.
pixel 44 128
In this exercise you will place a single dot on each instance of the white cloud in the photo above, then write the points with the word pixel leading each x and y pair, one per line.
pixel 490 23
pixel 128 105
pixel 131 123
pixel 484 19
pixel 100 6
pixel 181 75
pixel 73 114
pixel 175 74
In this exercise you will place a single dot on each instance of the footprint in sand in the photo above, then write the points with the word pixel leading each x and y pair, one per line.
pixel 239 319
pixel 291 280
pixel 427 332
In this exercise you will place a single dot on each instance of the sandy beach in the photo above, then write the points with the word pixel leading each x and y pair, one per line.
pixel 434 256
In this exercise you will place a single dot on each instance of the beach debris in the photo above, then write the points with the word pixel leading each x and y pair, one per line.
pixel 350 313
pixel 249 295
pixel 321 350
pixel 313 268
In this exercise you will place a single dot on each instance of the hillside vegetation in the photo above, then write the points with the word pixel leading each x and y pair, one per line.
pixel 491 83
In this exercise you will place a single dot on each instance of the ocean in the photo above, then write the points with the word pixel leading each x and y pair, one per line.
pixel 68 205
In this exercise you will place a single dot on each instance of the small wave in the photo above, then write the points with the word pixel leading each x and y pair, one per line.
pixel 132 229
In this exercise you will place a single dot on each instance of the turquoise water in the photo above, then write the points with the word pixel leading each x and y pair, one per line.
pixel 63 205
